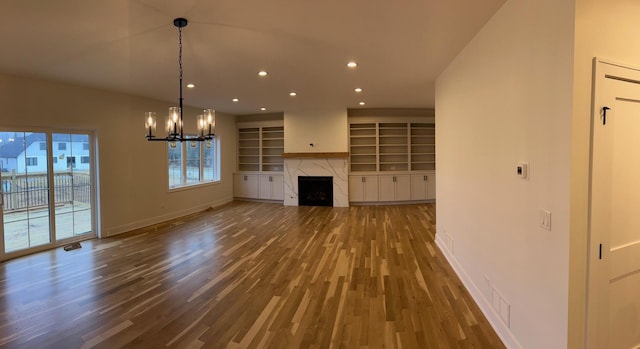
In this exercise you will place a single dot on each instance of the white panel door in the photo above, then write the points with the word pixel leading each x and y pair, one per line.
pixel 277 187
pixel 419 187
pixel 246 186
pixel 431 186
pixel 370 193
pixel 264 186
pixel 356 189
pixel 614 291
pixel 387 188
pixel 403 187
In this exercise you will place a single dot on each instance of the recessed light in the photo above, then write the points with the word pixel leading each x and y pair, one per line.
pixel 361 103
pixel 358 89
pixel 191 85
pixel 262 73
pixel 352 64
pixel 292 94
pixel 263 108
pixel 235 100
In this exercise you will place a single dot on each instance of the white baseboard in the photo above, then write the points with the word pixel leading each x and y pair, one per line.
pixel 106 232
pixel 485 306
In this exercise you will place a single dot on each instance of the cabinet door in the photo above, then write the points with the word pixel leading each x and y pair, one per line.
pixel 277 187
pixel 387 188
pixel 419 186
pixel 356 188
pixel 246 186
pixel 370 186
pixel 264 186
pixel 431 186
pixel 403 187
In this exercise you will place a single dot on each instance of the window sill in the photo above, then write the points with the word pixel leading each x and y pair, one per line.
pixel 192 186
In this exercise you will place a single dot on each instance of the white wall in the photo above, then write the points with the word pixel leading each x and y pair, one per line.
pixel 326 129
pixel 605 29
pixel 132 171
pixel 507 98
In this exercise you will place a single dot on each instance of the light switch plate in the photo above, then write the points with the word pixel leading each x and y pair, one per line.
pixel 545 219
pixel 522 170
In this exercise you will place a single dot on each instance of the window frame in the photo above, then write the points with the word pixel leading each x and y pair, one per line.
pixel 215 144
pixel 31 161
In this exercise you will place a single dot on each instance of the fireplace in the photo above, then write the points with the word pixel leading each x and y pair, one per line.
pixel 315 190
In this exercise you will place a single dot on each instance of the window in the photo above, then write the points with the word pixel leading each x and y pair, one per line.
pixel 62 146
pixel 71 161
pixel 32 161
pixel 55 159
pixel 85 146
pixel 84 159
pixel 193 163
pixel 43 146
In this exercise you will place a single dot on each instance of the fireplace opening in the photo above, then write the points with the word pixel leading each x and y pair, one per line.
pixel 315 191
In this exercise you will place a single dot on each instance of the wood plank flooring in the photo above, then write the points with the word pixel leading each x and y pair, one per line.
pixel 248 275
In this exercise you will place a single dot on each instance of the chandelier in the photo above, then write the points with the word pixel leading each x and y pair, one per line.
pixel 206 122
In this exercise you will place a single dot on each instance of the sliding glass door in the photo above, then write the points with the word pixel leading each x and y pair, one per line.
pixel 47 190
pixel 73 188
pixel 25 191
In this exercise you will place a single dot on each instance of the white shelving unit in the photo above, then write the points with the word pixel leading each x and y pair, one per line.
pixel 398 155
pixel 393 154
pixel 363 147
pixel 423 146
pixel 249 149
pixel 260 163
pixel 272 148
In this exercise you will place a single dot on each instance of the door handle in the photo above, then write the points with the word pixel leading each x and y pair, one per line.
pixel 363 180
pixel 270 179
pixel 245 178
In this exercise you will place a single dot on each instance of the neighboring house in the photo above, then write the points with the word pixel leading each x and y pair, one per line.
pixel 29 154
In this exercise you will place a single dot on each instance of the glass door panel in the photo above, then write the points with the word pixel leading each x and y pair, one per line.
pixel 73 185
pixel 25 188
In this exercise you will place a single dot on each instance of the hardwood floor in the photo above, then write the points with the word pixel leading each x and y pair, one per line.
pixel 248 275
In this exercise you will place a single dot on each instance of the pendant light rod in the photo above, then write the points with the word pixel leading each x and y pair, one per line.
pixel 180 23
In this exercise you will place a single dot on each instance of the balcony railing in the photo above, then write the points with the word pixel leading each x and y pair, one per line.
pixel 32 190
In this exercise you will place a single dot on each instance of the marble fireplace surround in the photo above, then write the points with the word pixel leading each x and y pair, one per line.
pixel 316 164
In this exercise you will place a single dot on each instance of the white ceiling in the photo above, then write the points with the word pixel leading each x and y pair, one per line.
pixel 132 46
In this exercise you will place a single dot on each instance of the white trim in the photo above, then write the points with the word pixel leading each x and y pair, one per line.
pixel 163 218
pixel 502 331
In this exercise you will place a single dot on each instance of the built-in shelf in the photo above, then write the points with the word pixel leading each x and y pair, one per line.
pixel 260 148
pixel 423 146
pixel 317 155
pixel 392 146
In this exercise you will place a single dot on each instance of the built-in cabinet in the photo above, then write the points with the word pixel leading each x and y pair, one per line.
pixel 423 186
pixel 395 188
pixel 363 188
pixel 392 159
pixel 258 186
pixel 260 162
pixel 271 187
pixel 245 185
